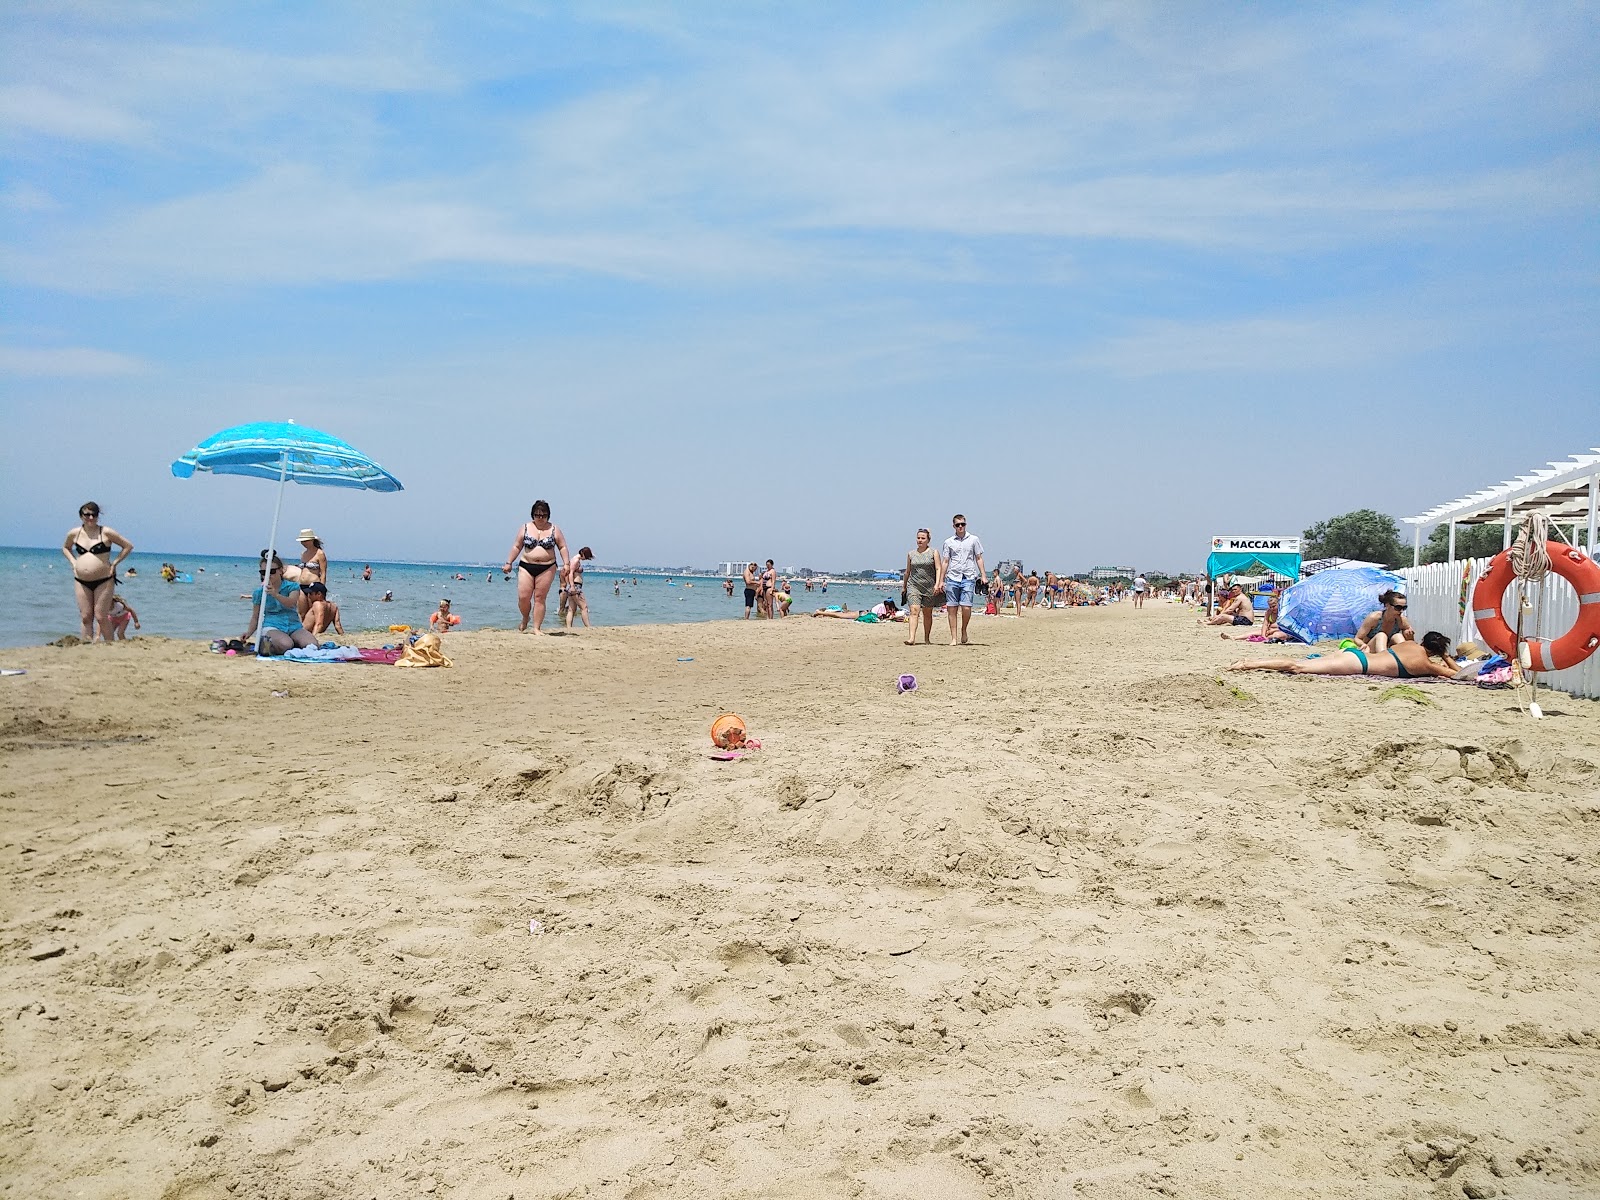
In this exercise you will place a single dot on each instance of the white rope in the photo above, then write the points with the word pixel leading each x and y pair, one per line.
pixel 1530 560
pixel 1530 563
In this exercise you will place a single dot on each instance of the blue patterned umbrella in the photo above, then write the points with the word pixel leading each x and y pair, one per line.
pixel 286 452
pixel 1332 604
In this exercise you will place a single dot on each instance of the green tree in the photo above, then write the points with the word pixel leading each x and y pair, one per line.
pixel 1472 541
pixel 1363 534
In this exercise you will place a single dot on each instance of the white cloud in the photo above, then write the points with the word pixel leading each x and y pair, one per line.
pixel 67 362
pixel 1261 345
pixel 35 109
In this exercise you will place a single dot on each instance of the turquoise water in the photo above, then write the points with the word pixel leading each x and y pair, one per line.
pixel 37 605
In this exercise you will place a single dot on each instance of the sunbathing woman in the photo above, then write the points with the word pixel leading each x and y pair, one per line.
pixel 1388 626
pixel 1269 629
pixel 537 543
pixel 1405 660
pixel 886 611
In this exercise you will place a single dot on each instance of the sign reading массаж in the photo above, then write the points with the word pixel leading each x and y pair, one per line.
pixel 1266 544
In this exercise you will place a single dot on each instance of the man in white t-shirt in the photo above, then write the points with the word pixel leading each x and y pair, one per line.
pixel 1140 586
pixel 963 568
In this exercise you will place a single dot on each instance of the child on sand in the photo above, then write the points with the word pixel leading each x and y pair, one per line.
pixel 121 613
pixel 322 614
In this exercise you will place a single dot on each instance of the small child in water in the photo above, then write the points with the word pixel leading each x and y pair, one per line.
pixel 444 620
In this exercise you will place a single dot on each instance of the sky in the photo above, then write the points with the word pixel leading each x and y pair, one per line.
pixel 789 281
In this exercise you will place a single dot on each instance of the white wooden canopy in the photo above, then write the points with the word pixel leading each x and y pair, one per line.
pixel 1561 489
pixel 1566 489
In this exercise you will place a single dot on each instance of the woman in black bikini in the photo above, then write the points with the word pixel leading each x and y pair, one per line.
pixel 94 571
pixel 537 543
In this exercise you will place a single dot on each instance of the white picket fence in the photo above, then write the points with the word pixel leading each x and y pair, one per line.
pixel 1435 597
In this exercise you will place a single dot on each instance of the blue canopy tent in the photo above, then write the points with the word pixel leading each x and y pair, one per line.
pixel 286 452
pixel 1234 555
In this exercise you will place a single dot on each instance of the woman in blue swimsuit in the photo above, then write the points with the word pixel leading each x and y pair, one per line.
pixel 94 571
pixel 1404 660
pixel 534 550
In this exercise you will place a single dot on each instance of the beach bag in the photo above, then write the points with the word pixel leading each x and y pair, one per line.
pixel 1495 673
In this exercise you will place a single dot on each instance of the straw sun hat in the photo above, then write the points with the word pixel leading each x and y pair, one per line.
pixel 308 535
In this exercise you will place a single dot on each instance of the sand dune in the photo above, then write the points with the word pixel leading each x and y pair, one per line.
pixel 1070 919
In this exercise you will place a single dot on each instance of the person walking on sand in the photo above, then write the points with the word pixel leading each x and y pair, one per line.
pixel 534 551
pixel 751 580
pixel 962 555
pixel 1140 586
pixel 920 586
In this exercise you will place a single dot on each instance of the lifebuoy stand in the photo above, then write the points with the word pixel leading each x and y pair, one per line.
pixel 1544 654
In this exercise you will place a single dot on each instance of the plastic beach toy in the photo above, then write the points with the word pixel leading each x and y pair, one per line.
pixel 906 683
pixel 728 732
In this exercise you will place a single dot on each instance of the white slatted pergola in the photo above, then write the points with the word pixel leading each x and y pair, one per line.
pixel 1562 491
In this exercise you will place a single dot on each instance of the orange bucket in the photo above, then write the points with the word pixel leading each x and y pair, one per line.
pixel 727 731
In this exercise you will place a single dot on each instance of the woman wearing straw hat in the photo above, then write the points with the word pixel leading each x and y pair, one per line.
pixel 312 567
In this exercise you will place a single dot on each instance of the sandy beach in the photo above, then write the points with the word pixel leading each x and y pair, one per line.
pixel 1071 919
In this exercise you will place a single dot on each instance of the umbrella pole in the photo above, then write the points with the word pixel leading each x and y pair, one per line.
pixel 272 545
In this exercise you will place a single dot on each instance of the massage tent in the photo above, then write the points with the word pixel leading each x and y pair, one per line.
pixel 1234 555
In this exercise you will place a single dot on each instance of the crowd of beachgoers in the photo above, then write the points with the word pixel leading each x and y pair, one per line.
pixel 291 609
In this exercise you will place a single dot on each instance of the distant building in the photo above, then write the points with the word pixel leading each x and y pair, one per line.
pixel 1104 574
pixel 733 569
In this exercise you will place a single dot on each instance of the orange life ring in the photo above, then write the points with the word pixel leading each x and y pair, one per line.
pixel 1566 651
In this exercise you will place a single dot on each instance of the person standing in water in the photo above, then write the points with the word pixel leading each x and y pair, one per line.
pixel 577 602
pixel 87 549
pixel 535 552
pixel 751 580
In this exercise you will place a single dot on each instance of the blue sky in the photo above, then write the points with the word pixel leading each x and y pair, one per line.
pixel 791 280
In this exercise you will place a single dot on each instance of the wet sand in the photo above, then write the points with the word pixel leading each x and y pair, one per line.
pixel 1073 918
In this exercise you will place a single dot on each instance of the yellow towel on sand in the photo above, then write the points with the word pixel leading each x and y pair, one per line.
pixel 424 652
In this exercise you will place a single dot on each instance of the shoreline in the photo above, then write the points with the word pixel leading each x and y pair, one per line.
pixel 1069 913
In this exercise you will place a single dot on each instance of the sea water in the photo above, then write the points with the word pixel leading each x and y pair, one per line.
pixel 37 604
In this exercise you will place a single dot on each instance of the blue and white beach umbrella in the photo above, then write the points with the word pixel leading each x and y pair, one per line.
pixel 288 453
pixel 1332 604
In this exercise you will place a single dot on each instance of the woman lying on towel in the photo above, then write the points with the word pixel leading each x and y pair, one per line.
pixel 1404 660
pixel 1269 629
pixel 887 611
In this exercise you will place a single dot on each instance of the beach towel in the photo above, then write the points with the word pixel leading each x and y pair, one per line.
pixel 318 654
pixel 424 652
